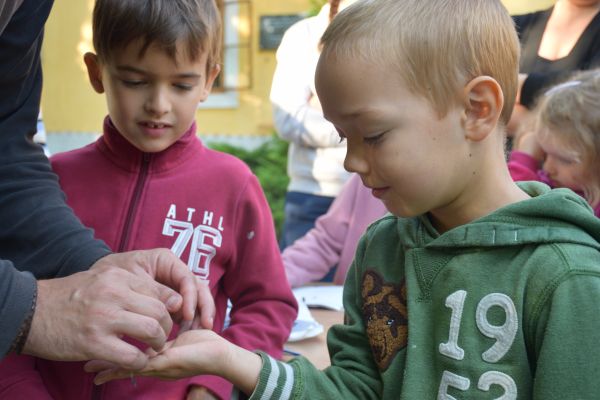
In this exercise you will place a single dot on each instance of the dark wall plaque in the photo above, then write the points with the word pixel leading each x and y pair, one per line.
pixel 272 28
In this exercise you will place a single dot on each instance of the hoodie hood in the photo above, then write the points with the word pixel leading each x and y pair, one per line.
pixel 550 216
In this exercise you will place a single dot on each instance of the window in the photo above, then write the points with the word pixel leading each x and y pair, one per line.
pixel 236 55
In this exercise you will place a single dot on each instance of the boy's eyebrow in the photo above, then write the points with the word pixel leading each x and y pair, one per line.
pixel 368 111
pixel 183 75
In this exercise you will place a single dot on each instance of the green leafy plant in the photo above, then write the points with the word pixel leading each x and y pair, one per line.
pixel 315 6
pixel 269 163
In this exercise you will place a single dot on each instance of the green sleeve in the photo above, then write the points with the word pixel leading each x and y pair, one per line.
pixel 568 347
pixel 353 373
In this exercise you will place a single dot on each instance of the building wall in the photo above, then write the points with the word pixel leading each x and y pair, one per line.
pixel 70 105
pixel 524 6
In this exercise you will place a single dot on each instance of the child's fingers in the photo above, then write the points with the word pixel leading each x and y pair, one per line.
pixel 206 304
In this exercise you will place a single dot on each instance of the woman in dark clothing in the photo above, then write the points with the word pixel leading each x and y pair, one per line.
pixel 554 43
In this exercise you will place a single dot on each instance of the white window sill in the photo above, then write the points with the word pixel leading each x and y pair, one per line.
pixel 221 100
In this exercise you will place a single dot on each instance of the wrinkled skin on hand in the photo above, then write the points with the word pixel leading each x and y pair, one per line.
pixel 85 315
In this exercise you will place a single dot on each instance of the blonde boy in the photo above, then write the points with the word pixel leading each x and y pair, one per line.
pixel 473 289
pixel 149 182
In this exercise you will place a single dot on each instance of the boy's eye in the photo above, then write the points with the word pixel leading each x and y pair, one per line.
pixel 342 136
pixel 372 140
pixel 132 83
pixel 183 86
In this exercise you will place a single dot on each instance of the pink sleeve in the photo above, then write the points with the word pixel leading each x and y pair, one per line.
pixel 523 167
pixel 19 379
pixel 263 306
pixel 311 257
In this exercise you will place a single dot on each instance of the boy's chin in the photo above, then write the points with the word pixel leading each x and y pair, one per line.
pixel 152 146
pixel 401 212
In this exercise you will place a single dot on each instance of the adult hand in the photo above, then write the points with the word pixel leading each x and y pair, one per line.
pixel 200 393
pixel 520 82
pixel 520 113
pixel 85 315
pixel 520 120
pixel 166 268
pixel 527 142
pixel 192 353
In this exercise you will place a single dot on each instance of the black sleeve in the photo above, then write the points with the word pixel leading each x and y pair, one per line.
pixel 522 22
pixel 38 231
pixel 16 296
pixel 536 83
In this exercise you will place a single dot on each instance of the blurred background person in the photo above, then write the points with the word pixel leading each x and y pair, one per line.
pixel 554 43
pixel 316 154
pixel 332 242
pixel 563 149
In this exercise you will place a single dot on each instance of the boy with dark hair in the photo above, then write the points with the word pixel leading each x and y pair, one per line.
pixel 149 182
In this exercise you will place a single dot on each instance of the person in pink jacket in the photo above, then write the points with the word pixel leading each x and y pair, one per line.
pixel 564 140
pixel 149 182
pixel 334 238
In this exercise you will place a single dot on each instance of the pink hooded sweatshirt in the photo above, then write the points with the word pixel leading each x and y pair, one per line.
pixel 334 238
pixel 209 209
pixel 523 167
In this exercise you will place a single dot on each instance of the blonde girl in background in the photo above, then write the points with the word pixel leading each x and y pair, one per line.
pixel 563 148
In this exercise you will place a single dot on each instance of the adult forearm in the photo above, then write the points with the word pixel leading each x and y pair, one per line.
pixel 39 231
pixel 304 126
pixel 7 9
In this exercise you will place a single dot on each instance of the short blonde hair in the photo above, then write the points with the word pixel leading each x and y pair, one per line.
pixel 436 46
pixel 571 111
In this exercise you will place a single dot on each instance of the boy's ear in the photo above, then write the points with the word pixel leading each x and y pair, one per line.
pixel 210 79
pixel 94 71
pixel 484 100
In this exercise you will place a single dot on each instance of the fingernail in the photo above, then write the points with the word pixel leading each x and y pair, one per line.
pixel 173 301
pixel 186 326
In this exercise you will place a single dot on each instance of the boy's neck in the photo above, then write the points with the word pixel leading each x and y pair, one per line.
pixel 489 190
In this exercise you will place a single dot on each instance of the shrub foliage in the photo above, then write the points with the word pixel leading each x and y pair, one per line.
pixel 268 162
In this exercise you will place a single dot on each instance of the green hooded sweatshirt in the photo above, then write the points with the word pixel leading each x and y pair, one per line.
pixel 505 307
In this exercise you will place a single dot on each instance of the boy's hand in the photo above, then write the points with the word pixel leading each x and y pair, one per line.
pixel 200 320
pixel 200 393
pixel 192 353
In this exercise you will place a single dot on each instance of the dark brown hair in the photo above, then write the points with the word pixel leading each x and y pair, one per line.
pixel 165 23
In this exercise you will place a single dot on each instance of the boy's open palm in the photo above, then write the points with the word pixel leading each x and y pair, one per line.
pixel 192 353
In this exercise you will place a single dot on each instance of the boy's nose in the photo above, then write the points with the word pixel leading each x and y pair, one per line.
pixel 355 160
pixel 158 103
